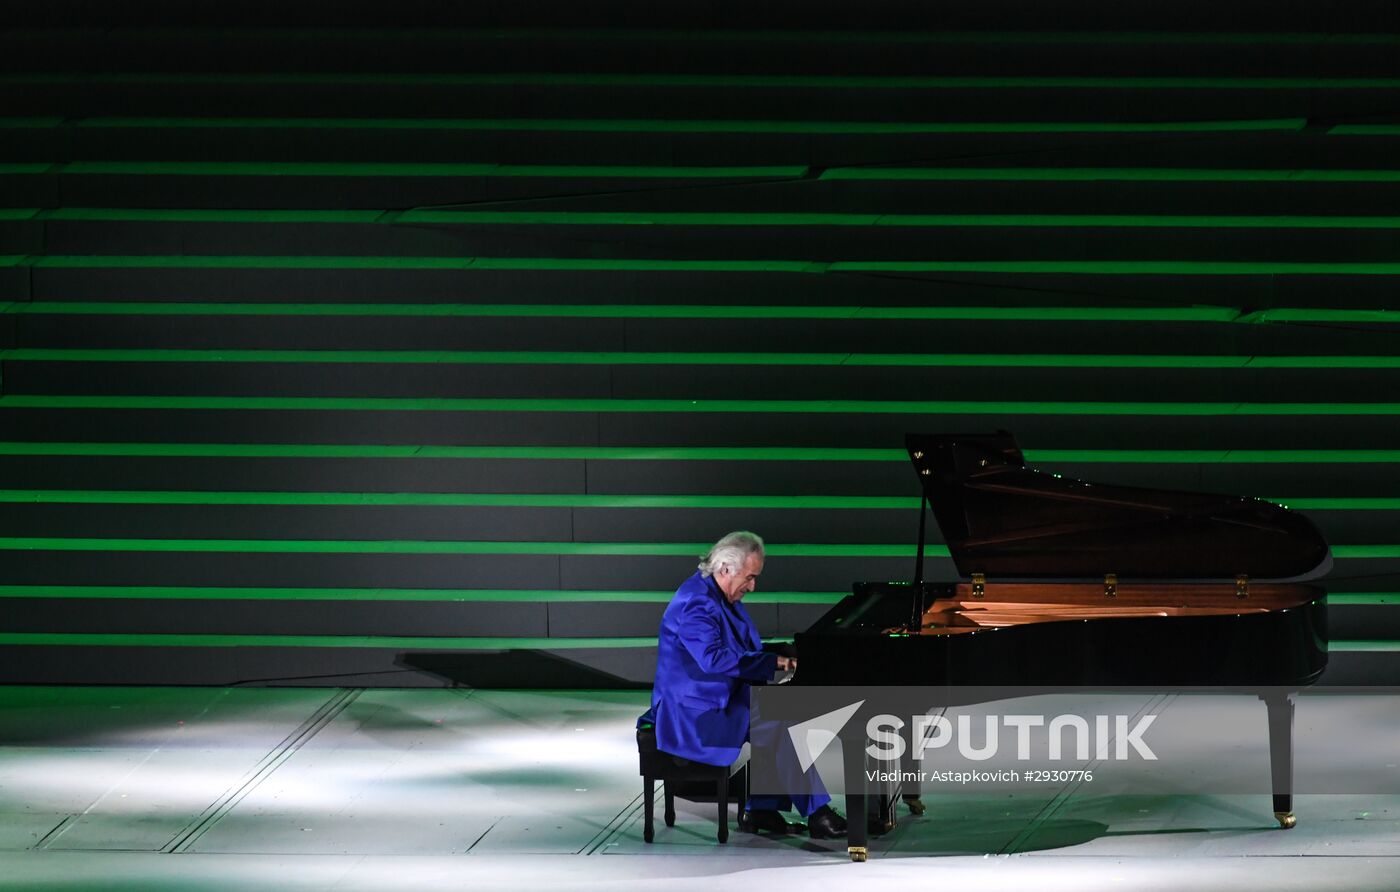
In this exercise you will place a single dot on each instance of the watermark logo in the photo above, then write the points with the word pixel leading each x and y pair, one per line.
pixel 811 738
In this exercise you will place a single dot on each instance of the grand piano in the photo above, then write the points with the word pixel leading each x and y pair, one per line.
pixel 1067 583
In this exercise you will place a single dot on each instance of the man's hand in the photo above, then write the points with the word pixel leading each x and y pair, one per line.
pixel 787 664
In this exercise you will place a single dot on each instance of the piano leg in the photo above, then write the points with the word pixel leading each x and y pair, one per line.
pixel 910 789
pixel 1280 706
pixel 853 766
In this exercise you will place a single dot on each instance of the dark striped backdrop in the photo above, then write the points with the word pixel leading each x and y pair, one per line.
pixel 343 353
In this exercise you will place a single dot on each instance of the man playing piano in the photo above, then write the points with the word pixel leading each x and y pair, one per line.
pixel 708 654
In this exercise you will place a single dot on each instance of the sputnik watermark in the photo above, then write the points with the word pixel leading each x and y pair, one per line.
pixel 1110 736
pixel 932 732
pixel 892 740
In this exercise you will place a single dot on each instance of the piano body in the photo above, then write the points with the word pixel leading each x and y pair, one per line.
pixel 1068 583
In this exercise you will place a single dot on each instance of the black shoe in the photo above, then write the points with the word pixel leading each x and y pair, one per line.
pixel 768 821
pixel 824 823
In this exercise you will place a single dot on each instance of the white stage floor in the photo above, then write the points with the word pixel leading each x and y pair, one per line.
pixel 164 788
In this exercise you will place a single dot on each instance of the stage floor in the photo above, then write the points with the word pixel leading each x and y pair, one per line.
pixel 320 788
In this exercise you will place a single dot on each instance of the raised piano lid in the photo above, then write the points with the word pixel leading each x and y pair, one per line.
pixel 1009 521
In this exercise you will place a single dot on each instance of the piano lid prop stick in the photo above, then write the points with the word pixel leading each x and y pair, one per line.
pixel 916 613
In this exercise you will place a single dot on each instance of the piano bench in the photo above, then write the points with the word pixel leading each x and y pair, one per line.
pixel 658 765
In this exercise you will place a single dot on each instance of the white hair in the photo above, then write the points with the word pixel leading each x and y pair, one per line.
pixel 730 553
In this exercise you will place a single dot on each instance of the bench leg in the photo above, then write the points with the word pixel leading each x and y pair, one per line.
pixel 648 798
pixel 670 803
pixel 723 797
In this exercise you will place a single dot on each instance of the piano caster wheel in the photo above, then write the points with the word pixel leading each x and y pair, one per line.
pixel 915 805
pixel 1286 819
pixel 857 853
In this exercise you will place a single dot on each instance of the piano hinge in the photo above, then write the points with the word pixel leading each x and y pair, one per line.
pixel 1110 585
pixel 979 584
pixel 1242 586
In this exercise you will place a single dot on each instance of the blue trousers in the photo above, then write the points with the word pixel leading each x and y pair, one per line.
pixel 813 795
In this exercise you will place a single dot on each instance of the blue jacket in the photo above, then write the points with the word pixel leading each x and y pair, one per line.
pixel 708 654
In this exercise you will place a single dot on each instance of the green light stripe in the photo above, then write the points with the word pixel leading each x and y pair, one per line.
pixel 696 453
pixel 403 546
pixel 526 357
pixel 649 80
pixel 58 639
pixel 8 260
pixel 504 596
pixel 1121 267
pixel 1369 552
pixel 654 311
pixel 1206 456
pixel 1364 130
pixel 557 500
pixel 426 169
pixel 1362 598
pixel 416 169
pixel 1037 267
pixel 1363 646
pixel 1285 314
pixel 1100 174
pixel 61 639
pixel 811 407
pixel 649 125
pixel 527 596
pixel 932 221
pixel 687 218
pixel 1340 504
